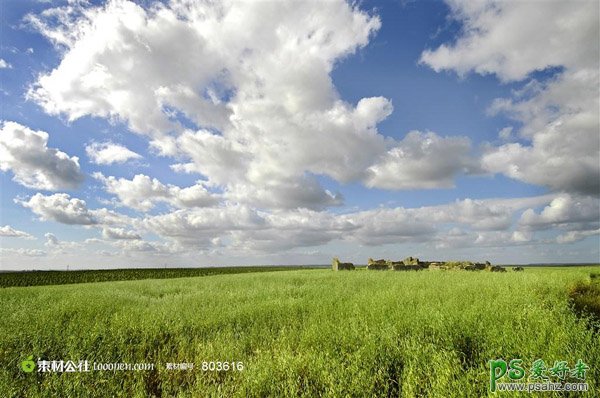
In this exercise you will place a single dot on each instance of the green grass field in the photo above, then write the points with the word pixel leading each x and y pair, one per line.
pixel 39 278
pixel 300 333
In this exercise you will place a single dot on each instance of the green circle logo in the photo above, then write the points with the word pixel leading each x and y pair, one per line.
pixel 28 365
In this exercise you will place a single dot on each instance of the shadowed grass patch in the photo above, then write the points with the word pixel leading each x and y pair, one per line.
pixel 585 296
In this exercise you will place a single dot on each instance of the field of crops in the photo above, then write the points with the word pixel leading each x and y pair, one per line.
pixel 39 278
pixel 303 333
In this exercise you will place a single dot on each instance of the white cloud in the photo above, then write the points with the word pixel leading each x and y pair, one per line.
pixel 506 133
pixel 7 252
pixel 119 234
pixel 51 240
pixel 521 236
pixel 381 226
pixel 287 230
pixel 109 217
pixel 188 168
pixel 241 94
pixel 4 64
pixel 477 214
pixel 109 153
pixel 503 238
pixel 481 222
pixel 56 246
pixel 267 117
pixel 243 229
pixel 562 211
pixel 135 246
pixel 458 238
pixel 575 236
pixel 559 118
pixel 303 192
pixel 25 152
pixel 199 226
pixel 421 160
pixel 60 25
pixel 61 208
pixel 9 232
pixel 213 155
pixel 512 39
pixel 142 192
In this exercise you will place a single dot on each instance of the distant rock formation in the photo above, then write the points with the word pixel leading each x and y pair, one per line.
pixel 475 267
pixel 404 267
pixel 336 265
pixel 413 263
pixel 378 265
pixel 436 265
pixel 408 264
pixel 495 268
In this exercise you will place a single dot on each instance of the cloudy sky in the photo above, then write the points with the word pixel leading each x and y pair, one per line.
pixel 186 133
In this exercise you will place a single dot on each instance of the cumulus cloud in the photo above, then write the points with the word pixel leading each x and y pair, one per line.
pixel 97 43
pixel 112 218
pixel 51 240
pixel 241 228
pixel 477 214
pixel 237 228
pixel 559 118
pixel 9 232
pixel 142 192
pixel 4 64
pixel 457 238
pixel 153 41
pixel 133 246
pixel 562 211
pixel 57 246
pixel 22 252
pixel 61 208
pixel 119 234
pixel 506 133
pixel 25 152
pixel 422 160
pixel 60 25
pixel 576 236
pixel 302 192
pixel 266 117
pixel 292 229
pixel 199 226
pixel 382 226
pixel 465 222
pixel 262 122
pixel 213 155
pixel 109 153
pixel 492 39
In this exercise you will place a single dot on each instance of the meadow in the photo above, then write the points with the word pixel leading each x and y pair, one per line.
pixel 307 333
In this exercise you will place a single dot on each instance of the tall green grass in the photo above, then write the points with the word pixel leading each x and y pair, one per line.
pixel 585 296
pixel 303 333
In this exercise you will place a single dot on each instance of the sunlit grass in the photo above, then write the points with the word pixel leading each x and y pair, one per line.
pixel 301 333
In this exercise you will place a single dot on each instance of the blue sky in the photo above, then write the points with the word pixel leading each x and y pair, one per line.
pixel 140 134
